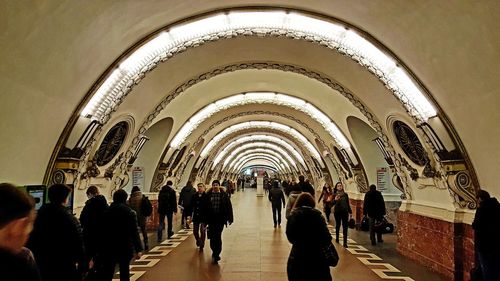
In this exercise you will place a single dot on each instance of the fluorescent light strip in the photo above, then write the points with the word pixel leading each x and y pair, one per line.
pixel 230 161
pixel 254 138
pixel 261 125
pixel 280 166
pixel 260 162
pixel 259 98
pixel 334 35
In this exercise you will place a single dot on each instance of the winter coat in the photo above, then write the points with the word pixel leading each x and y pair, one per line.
pixel 135 202
pixel 277 197
pixel 15 267
pixel 57 243
pixel 226 209
pixel 167 202
pixel 186 196
pixel 486 227
pixel 91 220
pixel 120 231
pixel 374 205
pixel 306 187
pixel 342 205
pixel 307 232
pixel 291 201
pixel 200 207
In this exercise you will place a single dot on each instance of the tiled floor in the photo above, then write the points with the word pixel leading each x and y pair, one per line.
pixel 254 250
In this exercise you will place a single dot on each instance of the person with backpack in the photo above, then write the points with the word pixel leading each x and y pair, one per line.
pixel 167 206
pixel 277 199
pixel 91 221
pixel 143 208
pixel 185 200
pixel 374 208
pixel 486 232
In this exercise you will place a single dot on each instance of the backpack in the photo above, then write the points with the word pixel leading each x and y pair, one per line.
pixel 146 206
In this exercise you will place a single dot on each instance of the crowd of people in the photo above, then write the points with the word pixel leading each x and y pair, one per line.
pixel 52 244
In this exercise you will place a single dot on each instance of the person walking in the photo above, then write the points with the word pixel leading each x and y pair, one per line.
pixel 294 194
pixel 185 197
pixel 327 196
pixel 120 236
pixel 307 232
pixel 91 220
pixel 374 209
pixel 486 233
pixel 17 213
pixel 167 206
pixel 341 211
pixel 305 186
pixel 220 213
pixel 200 205
pixel 56 240
pixel 135 202
pixel 277 199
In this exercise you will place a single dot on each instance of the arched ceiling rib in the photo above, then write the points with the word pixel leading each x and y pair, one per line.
pixel 259 98
pixel 274 150
pixel 252 137
pixel 264 142
pixel 270 158
pixel 235 23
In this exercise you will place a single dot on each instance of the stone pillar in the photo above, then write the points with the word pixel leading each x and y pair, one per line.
pixel 260 186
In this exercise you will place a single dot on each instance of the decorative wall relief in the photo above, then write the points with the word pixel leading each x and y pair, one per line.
pixel 111 143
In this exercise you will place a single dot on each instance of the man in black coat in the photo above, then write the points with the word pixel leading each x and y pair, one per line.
pixel 16 221
pixel 185 198
pixel 277 199
pixel 91 220
pixel 305 186
pixel 167 205
pixel 56 240
pixel 374 208
pixel 219 214
pixel 486 227
pixel 120 236
pixel 200 209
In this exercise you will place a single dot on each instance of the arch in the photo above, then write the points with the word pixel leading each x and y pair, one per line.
pixel 231 162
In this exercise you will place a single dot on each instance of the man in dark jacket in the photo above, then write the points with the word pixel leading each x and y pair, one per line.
pixel 56 240
pixel 16 221
pixel 305 186
pixel 91 220
pixel 220 213
pixel 374 208
pixel 185 198
pixel 167 205
pixel 120 236
pixel 277 199
pixel 200 206
pixel 486 232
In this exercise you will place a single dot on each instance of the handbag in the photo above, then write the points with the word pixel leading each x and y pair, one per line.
pixel 331 255
pixel 351 223
pixel 383 226
pixel 365 224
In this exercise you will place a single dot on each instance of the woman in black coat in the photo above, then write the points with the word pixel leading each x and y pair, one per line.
pixel 306 230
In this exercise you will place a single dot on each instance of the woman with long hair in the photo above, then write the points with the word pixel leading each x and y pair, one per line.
pixel 341 211
pixel 327 196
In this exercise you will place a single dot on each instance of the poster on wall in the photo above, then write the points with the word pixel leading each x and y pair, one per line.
pixel 382 178
pixel 138 177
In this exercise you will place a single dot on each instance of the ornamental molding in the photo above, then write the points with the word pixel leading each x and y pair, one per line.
pixel 259 66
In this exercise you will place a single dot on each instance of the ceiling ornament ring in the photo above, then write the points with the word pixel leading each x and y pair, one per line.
pixel 268 66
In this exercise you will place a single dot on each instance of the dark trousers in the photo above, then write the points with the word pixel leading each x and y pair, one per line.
pixel 109 264
pixel 371 224
pixel 199 231
pixel 277 214
pixel 341 218
pixel 327 208
pixel 215 236
pixel 162 225
pixel 489 266
pixel 144 236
